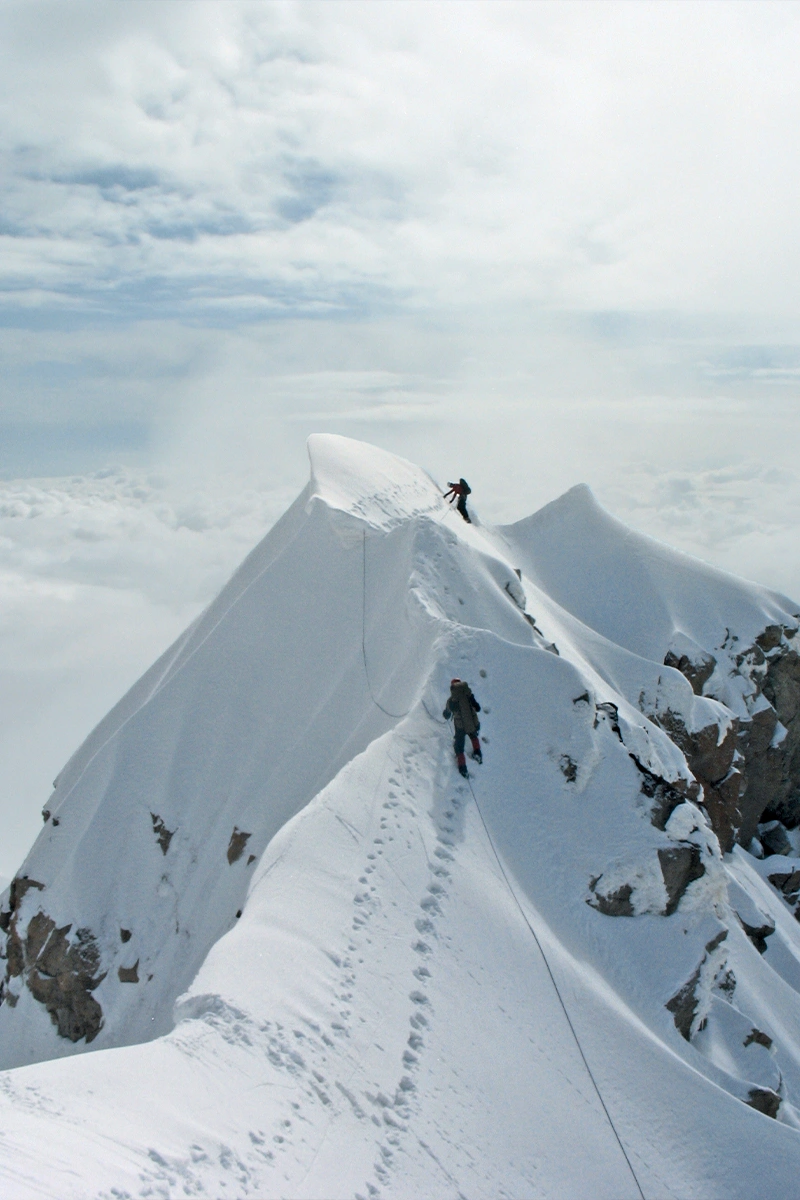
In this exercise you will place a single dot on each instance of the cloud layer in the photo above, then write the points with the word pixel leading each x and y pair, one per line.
pixel 222 160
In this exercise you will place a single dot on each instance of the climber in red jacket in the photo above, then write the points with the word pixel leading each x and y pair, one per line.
pixel 462 490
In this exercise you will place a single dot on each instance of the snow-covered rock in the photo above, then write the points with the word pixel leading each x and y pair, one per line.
pixel 307 959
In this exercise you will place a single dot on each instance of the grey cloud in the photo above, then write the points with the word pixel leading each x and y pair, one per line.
pixel 108 178
pixel 766 363
pixel 312 188
pixel 220 224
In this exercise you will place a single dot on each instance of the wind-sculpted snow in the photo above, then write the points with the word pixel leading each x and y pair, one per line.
pixel 312 944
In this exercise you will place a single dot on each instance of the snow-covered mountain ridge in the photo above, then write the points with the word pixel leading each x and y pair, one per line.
pixel 277 919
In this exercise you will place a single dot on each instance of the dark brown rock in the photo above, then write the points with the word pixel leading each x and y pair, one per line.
pixel 698 670
pixel 57 956
pixel 236 845
pixel 759 1037
pixel 711 762
pixel 39 929
pixel 665 796
pixel 683 1005
pixel 15 955
pixel 129 974
pixel 59 974
pixel 774 839
pixel 615 904
pixel 726 983
pixel 770 768
pixel 18 889
pixel 722 803
pixel 163 835
pixel 569 768
pixel 787 882
pixel 757 734
pixel 709 758
pixel 680 866
pixel 764 1100
pixel 717 940
pixel 758 934
pixel 773 771
pixel 770 638
pixel 124 935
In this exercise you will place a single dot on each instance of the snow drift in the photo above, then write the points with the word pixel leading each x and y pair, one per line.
pixel 307 959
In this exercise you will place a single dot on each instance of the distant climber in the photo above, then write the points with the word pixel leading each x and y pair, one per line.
pixel 462 490
pixel 463 708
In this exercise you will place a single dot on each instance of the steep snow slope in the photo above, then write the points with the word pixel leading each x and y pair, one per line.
pixel 381 1021
pixel 635 591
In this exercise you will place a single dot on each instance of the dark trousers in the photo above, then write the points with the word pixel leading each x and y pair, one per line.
pixel 462 508
pixel 458 744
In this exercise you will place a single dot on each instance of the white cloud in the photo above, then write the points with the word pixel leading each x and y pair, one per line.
pixel 624 155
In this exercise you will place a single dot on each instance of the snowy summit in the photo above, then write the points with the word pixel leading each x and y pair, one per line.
pixel 269 943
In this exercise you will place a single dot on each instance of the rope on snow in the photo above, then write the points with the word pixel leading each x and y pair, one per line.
pixel 573 1031
pixel 557 990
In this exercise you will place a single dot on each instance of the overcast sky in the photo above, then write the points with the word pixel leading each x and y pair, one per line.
pixel 532 244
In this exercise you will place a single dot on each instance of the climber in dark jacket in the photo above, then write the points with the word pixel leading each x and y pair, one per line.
pixel 463 708
pixel 462 490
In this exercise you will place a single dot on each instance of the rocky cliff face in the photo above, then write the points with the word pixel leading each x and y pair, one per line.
pixel 59 971
pixel 752 774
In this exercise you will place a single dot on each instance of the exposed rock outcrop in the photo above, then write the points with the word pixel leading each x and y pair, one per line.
pixel 696 665
pixel 711 761
pixel 759 1037
pixel 163 835
pixel 774 839
pixel 612 904
pixel 236 845
pixel 665 796
pixel 683 1005
pixel 764 1100
pixel 782 689
pixel 787 882
pixel 680 866
pixel 60 973
pixel 569 768
pixel 758 934
pixel 688 1003
pixel 763 780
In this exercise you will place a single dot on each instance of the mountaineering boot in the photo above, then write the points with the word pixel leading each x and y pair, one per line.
pixel 462 765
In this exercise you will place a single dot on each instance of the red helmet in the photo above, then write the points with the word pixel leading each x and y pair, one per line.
pixel 454 681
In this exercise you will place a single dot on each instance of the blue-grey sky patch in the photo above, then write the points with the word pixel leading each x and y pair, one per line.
pixel 108 179
pixel 65 448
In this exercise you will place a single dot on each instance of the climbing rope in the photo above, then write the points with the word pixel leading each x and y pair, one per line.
pixel 557 990
pixel 375 701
